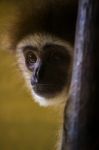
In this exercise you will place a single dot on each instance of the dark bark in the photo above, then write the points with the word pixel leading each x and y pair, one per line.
pixel 81 120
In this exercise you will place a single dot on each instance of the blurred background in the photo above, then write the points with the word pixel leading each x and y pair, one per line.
pixel 23 124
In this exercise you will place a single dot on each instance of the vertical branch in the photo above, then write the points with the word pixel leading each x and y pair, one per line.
pixel 81 120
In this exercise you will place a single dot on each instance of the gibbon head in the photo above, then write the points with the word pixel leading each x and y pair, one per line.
pixel 45 61
pixel 41 36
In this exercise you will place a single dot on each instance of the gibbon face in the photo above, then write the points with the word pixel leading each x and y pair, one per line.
pixel 46 64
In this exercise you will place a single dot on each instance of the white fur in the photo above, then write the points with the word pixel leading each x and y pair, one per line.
pixel 39 40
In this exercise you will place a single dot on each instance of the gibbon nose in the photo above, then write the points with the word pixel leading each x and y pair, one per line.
pixel 35 76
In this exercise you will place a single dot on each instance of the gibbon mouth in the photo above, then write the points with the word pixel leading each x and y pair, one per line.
pixel 47 90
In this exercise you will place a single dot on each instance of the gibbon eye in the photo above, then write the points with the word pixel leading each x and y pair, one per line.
pixel 30 59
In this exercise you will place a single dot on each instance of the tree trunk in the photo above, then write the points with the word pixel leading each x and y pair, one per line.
pixel 81 119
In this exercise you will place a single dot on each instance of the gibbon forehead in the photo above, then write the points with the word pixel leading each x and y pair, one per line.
pixel 45 61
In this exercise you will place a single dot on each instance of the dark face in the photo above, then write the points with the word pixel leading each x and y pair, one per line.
pixel 50 68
